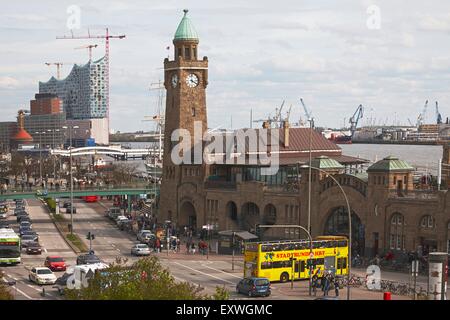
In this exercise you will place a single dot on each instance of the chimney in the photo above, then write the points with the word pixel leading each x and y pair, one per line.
pixel 286 133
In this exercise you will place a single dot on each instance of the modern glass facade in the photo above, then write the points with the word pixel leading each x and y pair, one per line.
pixel 46 130
pixel 83 92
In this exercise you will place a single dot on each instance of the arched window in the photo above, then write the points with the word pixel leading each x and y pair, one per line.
pixel 427 222
pixel 397 235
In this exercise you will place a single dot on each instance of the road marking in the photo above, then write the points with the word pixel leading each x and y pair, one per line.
pixel 230 274
pixel 206 274
pixel 45 250
pixel 23 293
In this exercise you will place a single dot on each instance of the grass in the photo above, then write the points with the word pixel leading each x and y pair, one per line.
pixel 76 241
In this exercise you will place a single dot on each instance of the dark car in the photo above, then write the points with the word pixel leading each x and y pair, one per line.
pixel 88 259
pixel 28 239
pixel 24 229
pixel 19 211
pixel 29 233
pixel 66 204
pixel 34 248
pixel 254 287
pixel 23 218
pixel 69 209
pixel 4 225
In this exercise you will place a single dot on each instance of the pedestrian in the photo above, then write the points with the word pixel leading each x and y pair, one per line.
pixel 336 286
pixel 315 283
pixel 178 244
pixel 188 247
pixel 158 245
pixel 326 285
pixel 193 248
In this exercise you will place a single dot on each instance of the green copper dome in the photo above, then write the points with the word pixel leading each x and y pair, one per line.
pixel 390 163
pixel 185 30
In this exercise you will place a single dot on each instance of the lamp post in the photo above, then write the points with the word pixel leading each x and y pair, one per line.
pixel 40 155
pixel 71 178
pixel 311 125
pixel 349 224
pixel 53 147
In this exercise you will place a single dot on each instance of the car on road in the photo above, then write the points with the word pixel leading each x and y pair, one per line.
pixel 19 210
pixel 42 275
pixel 88 259
pixel 66 204
pixel 27 239
pixel 4 225
pixel 254 287
pixel 24 223
pixel 69 209
pixel 24 229
pixel 34 248
pixel 21 215
pixel 55 263
pixel 3 211
pixel 140 249
pixel 121 219
pixel 144 236
pixel 30 233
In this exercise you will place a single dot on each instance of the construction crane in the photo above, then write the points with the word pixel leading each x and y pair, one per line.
pixel 107 36
pixel 410 122
pixel 355 118
pixel 421 116
pixel 58 67
pixel 307 112
pixel 288 114
pixel 438 115
pixel 89 47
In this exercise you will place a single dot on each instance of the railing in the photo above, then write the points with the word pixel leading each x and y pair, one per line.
pixel 218 184
pixel 414 195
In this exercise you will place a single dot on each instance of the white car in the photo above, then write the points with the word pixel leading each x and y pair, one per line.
pixel 121 219
pixel 42 275
pixel 140 250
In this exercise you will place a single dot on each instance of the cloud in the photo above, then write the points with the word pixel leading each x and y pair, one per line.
pixel 8 83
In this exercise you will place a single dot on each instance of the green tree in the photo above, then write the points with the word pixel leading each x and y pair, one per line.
pixel 145 279
pixel 4 290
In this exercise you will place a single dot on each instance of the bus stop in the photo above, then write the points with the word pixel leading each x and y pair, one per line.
pixel 225 243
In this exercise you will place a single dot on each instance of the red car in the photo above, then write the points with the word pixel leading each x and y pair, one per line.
pixel 90 198
pixel 55 263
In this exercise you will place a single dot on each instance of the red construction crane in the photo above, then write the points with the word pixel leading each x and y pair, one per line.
pixel 89 47
pixel 107 36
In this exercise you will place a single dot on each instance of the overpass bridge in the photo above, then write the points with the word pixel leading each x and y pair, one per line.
pixel 119 190
pixel 117 152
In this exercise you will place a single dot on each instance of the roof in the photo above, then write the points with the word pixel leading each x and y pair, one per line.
pixel 390 163
pixel 324 162
pixel 361 176
pixel 185 30
pixel 22 135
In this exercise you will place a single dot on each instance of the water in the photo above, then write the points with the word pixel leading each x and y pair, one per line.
pixel 422 157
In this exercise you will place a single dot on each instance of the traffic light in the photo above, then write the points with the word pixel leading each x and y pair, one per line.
pixel 90 236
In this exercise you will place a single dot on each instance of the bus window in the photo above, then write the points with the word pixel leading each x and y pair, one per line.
pixel 266 265
pixel 302 266
pixel 342 243
pixel 296 266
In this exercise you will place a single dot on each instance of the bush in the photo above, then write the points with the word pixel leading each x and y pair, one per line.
pixel 51 204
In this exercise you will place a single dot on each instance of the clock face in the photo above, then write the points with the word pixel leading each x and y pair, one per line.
pixel 174 80
pixel 192 80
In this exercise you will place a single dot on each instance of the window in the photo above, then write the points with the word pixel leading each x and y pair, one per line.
pixel 427 222
pixel 179 51
pixel 193 112
pixel 194 52
pixel 187 53
pixel 397 236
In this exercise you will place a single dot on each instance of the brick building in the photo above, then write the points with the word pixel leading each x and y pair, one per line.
pixel 388 213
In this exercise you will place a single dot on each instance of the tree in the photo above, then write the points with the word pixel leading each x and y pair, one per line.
pixel 123 173
pixel 146 279
pixel 4 290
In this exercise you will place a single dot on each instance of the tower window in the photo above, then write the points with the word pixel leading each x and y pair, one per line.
pixel 179 52
pixel 193 112
pixel 187 53
pixel 194 52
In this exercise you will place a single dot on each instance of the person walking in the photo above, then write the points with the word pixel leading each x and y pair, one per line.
pixel 188 247
pixel 336 286
pixel 193 247
pixel 315 284
pixel 326 285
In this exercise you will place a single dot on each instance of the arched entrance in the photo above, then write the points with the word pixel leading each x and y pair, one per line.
pixel 337 224
pixel 188 216
pixel 232 213
pixel 249 216
pixel 270 214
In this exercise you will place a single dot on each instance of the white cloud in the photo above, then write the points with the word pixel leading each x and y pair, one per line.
pixel 8 83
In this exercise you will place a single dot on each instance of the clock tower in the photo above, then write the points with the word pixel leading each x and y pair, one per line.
pixel 185 80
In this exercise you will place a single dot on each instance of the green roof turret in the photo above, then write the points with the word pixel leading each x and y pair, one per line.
pixel 185 30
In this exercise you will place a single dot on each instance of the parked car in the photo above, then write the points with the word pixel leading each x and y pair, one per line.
pixel 25 223
pixel 42 275
pixel 27 239
pixel 121 219
pixel 69 209
pixel 254 287
pixel 66 204
pixel 55 263
pixel 113 212
pixel 34 248
pixel 144 236
pixel 19 210
pixel 21 215
pixel 88 259
pixel 140 249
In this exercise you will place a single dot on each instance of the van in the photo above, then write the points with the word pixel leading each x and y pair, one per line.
pixel 113 213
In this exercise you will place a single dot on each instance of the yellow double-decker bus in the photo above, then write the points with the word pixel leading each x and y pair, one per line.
pixel 284 259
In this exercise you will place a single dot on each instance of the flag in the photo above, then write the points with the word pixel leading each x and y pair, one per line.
pixel 168 48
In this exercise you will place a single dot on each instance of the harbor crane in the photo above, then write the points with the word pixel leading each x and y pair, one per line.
pixel 438 115
pixel 421 117
pixel 89 47
pixel 355 118
pixel 277 119
pixel 307 112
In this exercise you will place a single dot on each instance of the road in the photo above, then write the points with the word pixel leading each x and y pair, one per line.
pixel 110 243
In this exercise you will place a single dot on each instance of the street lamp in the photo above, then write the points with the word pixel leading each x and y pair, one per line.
pixel 311 125
pixel 53 146
pixel 71 178
pixel 40 155
pixel 349 223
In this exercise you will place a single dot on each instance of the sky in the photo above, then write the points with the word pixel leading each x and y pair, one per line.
pixel 389 56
